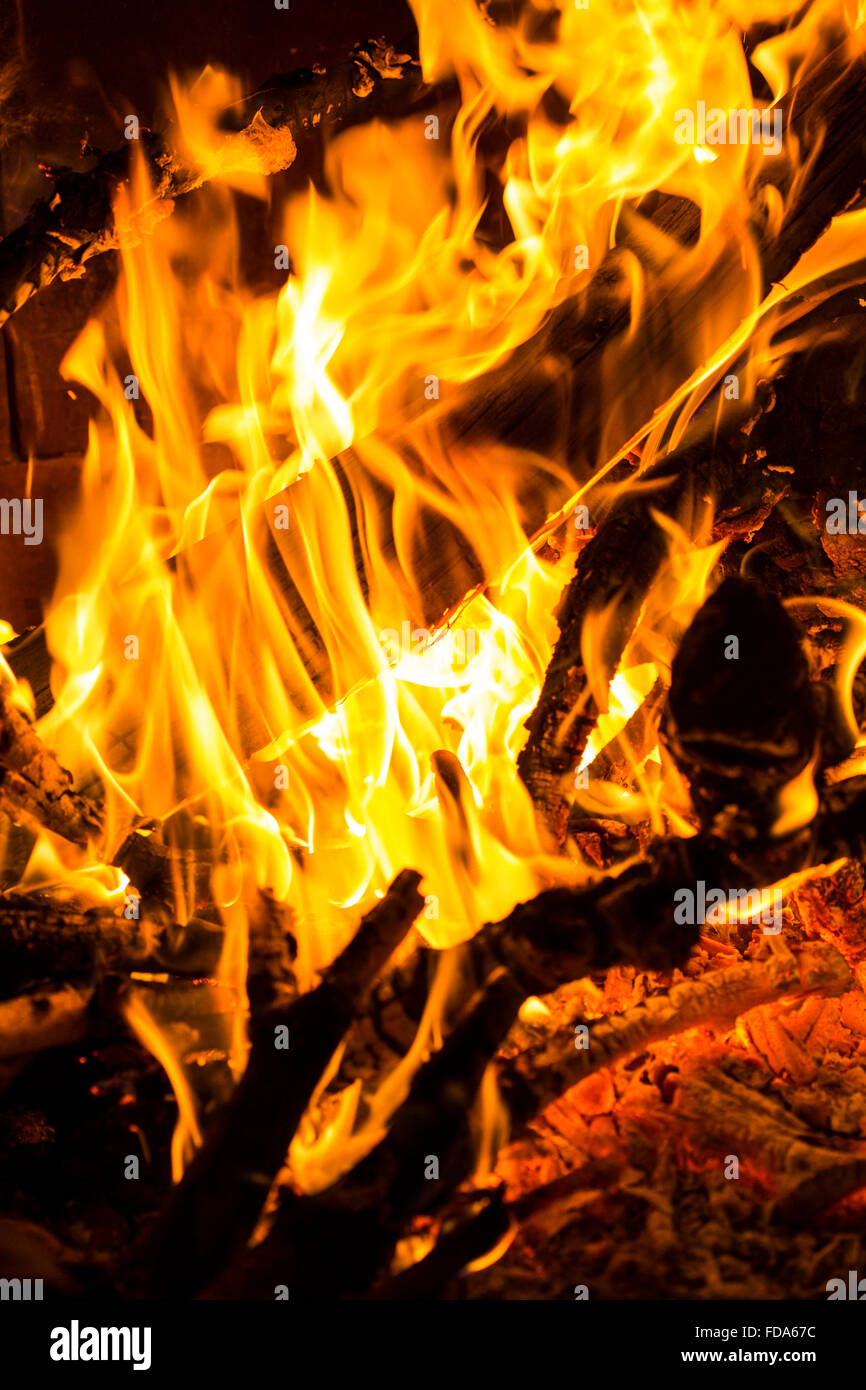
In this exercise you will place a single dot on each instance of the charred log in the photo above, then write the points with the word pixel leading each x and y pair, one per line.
pixel 63 232
pixel 292 1040
pixel 746 470
pixel 535 1075
pixel 42 940
pixel 34 788
pixel 335 1243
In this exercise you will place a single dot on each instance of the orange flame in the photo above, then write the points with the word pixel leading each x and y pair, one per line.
pixel 219 666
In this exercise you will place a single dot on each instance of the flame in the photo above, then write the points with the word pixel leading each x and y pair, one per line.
pixel 797 802
pixel 220 667
pixel 652 790
pixel 187 1135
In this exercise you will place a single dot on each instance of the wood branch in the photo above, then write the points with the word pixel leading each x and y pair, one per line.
pixel 215 1207
pixel 536 1074
pixel 264 131
pixel 271 983
pixel 40 940
pixel 629 917
pixel 34 788
pixel 619 565
pixel 595 1172
pixel 33 1022
pixel 742 469
pixel 163 872
pixel 336 1242
pixel 565 933
pixel 554 938
pixel 625 918
pixel 466 1240
pixel 46 1018
pixel 561 935
pixel 45 940
pixel 639 736
pixel 385 1031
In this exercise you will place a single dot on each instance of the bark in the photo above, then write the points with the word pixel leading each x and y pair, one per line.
pixel 537 1074
pixel 34 788
pixel 63 232
pixel 42 940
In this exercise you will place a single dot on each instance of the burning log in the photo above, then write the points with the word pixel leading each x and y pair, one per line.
pixel 292 1040
pixel 564 934
pixel 740 740
pixel 160 871
pixel 744 470
pixel 336 1242
pixel 43 940
pixel 467 1239
pixel 618 564
pixel 740 750
pixel 556 937
pixel 34 788
pixel 535 1075
pixel 33 1022
pixel 355 1205
pixel 62 233
pixel 628 917
pixel 42 1019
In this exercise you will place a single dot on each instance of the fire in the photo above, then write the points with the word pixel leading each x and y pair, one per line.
pixel 220 667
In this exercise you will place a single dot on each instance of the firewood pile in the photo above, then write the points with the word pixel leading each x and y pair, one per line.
pixel 629 1089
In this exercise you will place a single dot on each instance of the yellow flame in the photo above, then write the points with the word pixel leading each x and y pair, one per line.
pixel 220 665
pixel 187 1135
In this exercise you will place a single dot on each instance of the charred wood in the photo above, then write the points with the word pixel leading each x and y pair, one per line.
pixel 465 1240
pixel 215 1208
pixel 34 788
pixel 533 1076
pixel 746 470
pixel 64 231
pixel 335 1243
pixel 42 940
pixel 741 720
